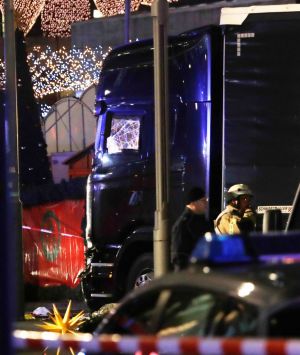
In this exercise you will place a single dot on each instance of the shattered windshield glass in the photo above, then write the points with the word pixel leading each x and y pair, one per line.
pixel 124 134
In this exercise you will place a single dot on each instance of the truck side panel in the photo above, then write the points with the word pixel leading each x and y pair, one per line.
pixel 262 106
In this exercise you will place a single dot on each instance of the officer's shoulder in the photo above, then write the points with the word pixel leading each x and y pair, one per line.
pixel 235 213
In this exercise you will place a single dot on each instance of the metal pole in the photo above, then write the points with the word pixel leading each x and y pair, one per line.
pixel 159 12
pixel 7 246
pixel 14 219
pixel 127 21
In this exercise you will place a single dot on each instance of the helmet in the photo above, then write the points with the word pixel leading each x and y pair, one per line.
pixel 238 190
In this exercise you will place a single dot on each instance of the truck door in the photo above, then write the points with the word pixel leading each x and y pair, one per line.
pixel 121 175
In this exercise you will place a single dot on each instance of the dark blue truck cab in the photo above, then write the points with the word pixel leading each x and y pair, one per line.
pixel 234 117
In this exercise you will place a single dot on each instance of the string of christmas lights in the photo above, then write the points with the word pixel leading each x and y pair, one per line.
pixel 62 70
pixel 2 75
pixel 58 15
pixel 26 12
pixel 115 7
pixel 44 109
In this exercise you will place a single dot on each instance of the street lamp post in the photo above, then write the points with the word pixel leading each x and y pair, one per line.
pixel 159 12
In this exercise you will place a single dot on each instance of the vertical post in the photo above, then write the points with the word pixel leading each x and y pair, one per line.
pixel 7 246
pixel 14 220
pixel 127 21
pixel 159 12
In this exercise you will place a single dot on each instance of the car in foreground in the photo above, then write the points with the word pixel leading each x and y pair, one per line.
pixel 236 286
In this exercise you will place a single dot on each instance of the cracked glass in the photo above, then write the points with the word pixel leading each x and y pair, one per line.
pixel 124 134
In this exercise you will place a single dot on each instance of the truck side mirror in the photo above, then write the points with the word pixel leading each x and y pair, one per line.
pixel 100 108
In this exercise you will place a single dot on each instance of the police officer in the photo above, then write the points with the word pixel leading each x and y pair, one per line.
pixel 238 216
pixel 189 227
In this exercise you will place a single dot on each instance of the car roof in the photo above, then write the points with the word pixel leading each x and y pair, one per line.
pixel 273 284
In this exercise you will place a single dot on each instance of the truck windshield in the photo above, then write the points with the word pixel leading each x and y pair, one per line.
pixel 124 134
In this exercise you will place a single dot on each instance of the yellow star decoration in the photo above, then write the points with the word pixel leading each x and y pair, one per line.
pixel 64 324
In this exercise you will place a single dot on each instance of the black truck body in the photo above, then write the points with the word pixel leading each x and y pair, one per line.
pixel 234 116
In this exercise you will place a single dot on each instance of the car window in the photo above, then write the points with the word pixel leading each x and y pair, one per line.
pixel 233 318
pixel 175 311
pixel 183 311
pixel 282 323
pixel 186 313
pixel 132 317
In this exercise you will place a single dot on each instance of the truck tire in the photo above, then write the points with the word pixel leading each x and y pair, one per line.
pixel 141 271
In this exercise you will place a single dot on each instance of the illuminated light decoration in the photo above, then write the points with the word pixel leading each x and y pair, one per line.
pixel 58 15
pixel 26 13
pixel 63 325
pixel 64 70
pixel 116 7
pixel 44 108
pixel 2 75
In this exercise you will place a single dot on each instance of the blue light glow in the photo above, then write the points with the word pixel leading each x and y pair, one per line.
pixel 220 249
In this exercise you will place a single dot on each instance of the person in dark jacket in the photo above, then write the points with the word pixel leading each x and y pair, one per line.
pixel 189 227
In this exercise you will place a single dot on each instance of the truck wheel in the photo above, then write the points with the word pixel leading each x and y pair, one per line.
pixel 141 271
